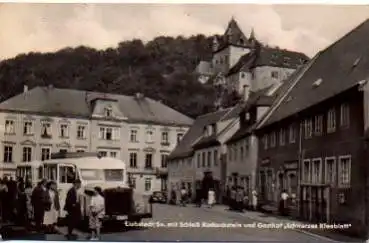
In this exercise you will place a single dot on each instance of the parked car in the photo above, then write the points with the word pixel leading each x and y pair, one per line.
pixel 158 197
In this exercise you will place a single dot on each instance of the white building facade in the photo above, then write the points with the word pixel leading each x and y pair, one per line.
pixel 42 121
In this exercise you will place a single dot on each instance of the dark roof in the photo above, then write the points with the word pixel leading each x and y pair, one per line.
pixel 184 148
pixel 212 140
pixel 258 98
pixel 51 101
pixel 340 67
pixel 233 36
pixel 268 56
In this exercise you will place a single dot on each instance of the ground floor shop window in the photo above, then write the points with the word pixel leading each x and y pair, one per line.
pixel 344 171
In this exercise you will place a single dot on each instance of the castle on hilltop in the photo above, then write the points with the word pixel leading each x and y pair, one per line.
pixel 241 64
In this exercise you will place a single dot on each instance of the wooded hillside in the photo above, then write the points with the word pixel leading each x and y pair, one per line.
pixel 161 69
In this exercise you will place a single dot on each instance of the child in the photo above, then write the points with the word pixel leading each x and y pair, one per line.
pixel 97 210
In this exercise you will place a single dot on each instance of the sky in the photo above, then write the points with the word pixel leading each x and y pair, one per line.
pixel 50 27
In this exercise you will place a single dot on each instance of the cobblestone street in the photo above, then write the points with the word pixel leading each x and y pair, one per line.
pixel 170 214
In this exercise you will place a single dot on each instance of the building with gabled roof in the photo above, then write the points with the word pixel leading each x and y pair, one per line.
pixel 202 151
pixel 240 62
pixel 313 141
pixel 140 131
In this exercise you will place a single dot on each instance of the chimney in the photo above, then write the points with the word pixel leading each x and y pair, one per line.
pixel 25 88
pixel 246 91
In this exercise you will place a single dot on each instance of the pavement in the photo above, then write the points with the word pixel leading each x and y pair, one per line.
pixel 176 223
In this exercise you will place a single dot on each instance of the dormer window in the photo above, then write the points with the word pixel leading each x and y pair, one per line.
pixel 206 132
pixel 108 111
pixel 213 129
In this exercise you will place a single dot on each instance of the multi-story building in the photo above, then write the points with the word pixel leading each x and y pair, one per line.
pixel 313 141
pixel 202 151
pixel 136 129
pixel 240 62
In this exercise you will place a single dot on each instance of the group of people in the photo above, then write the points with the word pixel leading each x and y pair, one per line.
pixel 22 204
pixel 238 199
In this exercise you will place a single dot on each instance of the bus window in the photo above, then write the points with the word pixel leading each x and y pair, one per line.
pixel 67 174
pixel 50 172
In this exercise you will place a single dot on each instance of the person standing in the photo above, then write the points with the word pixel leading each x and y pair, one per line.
pixel 198 195
pixel 183 196
pixel 40 203
pixel 3 192
pixel 97 211
pixel 283 203
pixel 73 208
pixel 254 199
pixel 21 203
pixel 51 215
pixel 211 197
pixel 28 194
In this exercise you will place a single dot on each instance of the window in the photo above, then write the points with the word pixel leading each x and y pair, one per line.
pixel 133 160
pixel 198 160
pixel 235 153
pixel 67 174
pixel 108 112
pixel 133 182
pixel 317 171
pixel 213 129
pixel 241 153
pixel 147 184
pixel 133 136
pixel 179 137
pixel 164 160
pixel 45 153
pixel 306 171
pixel 108 133
pixel 9 127
pixel 113 154
pixel 148 161
pixel 330 170
pixel 46 130
pixel 80 151
pixel 331 121
pixel 81 132
pixel 318 128
pixel 274 74
pixel 27 128
pixel 203 160
pixel 282 137
pixel 8 154
pixel 215 157
pixel 164 138
pixel 103 153
pixel 344 168
pixel 64 131
pixel 272 139
pixel 27 154
pixel 63 151
pixel 114 174
pixel 292 134
pixel 209 159
pixel 308 128
pixel 345 115
pixel 149 136
pixel 265 141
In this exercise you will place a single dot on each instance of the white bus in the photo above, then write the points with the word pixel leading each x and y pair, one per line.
pixel 121 201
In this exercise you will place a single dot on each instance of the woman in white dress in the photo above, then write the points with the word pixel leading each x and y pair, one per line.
pixel 211 197
pixel 254 199
pixel 51 215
